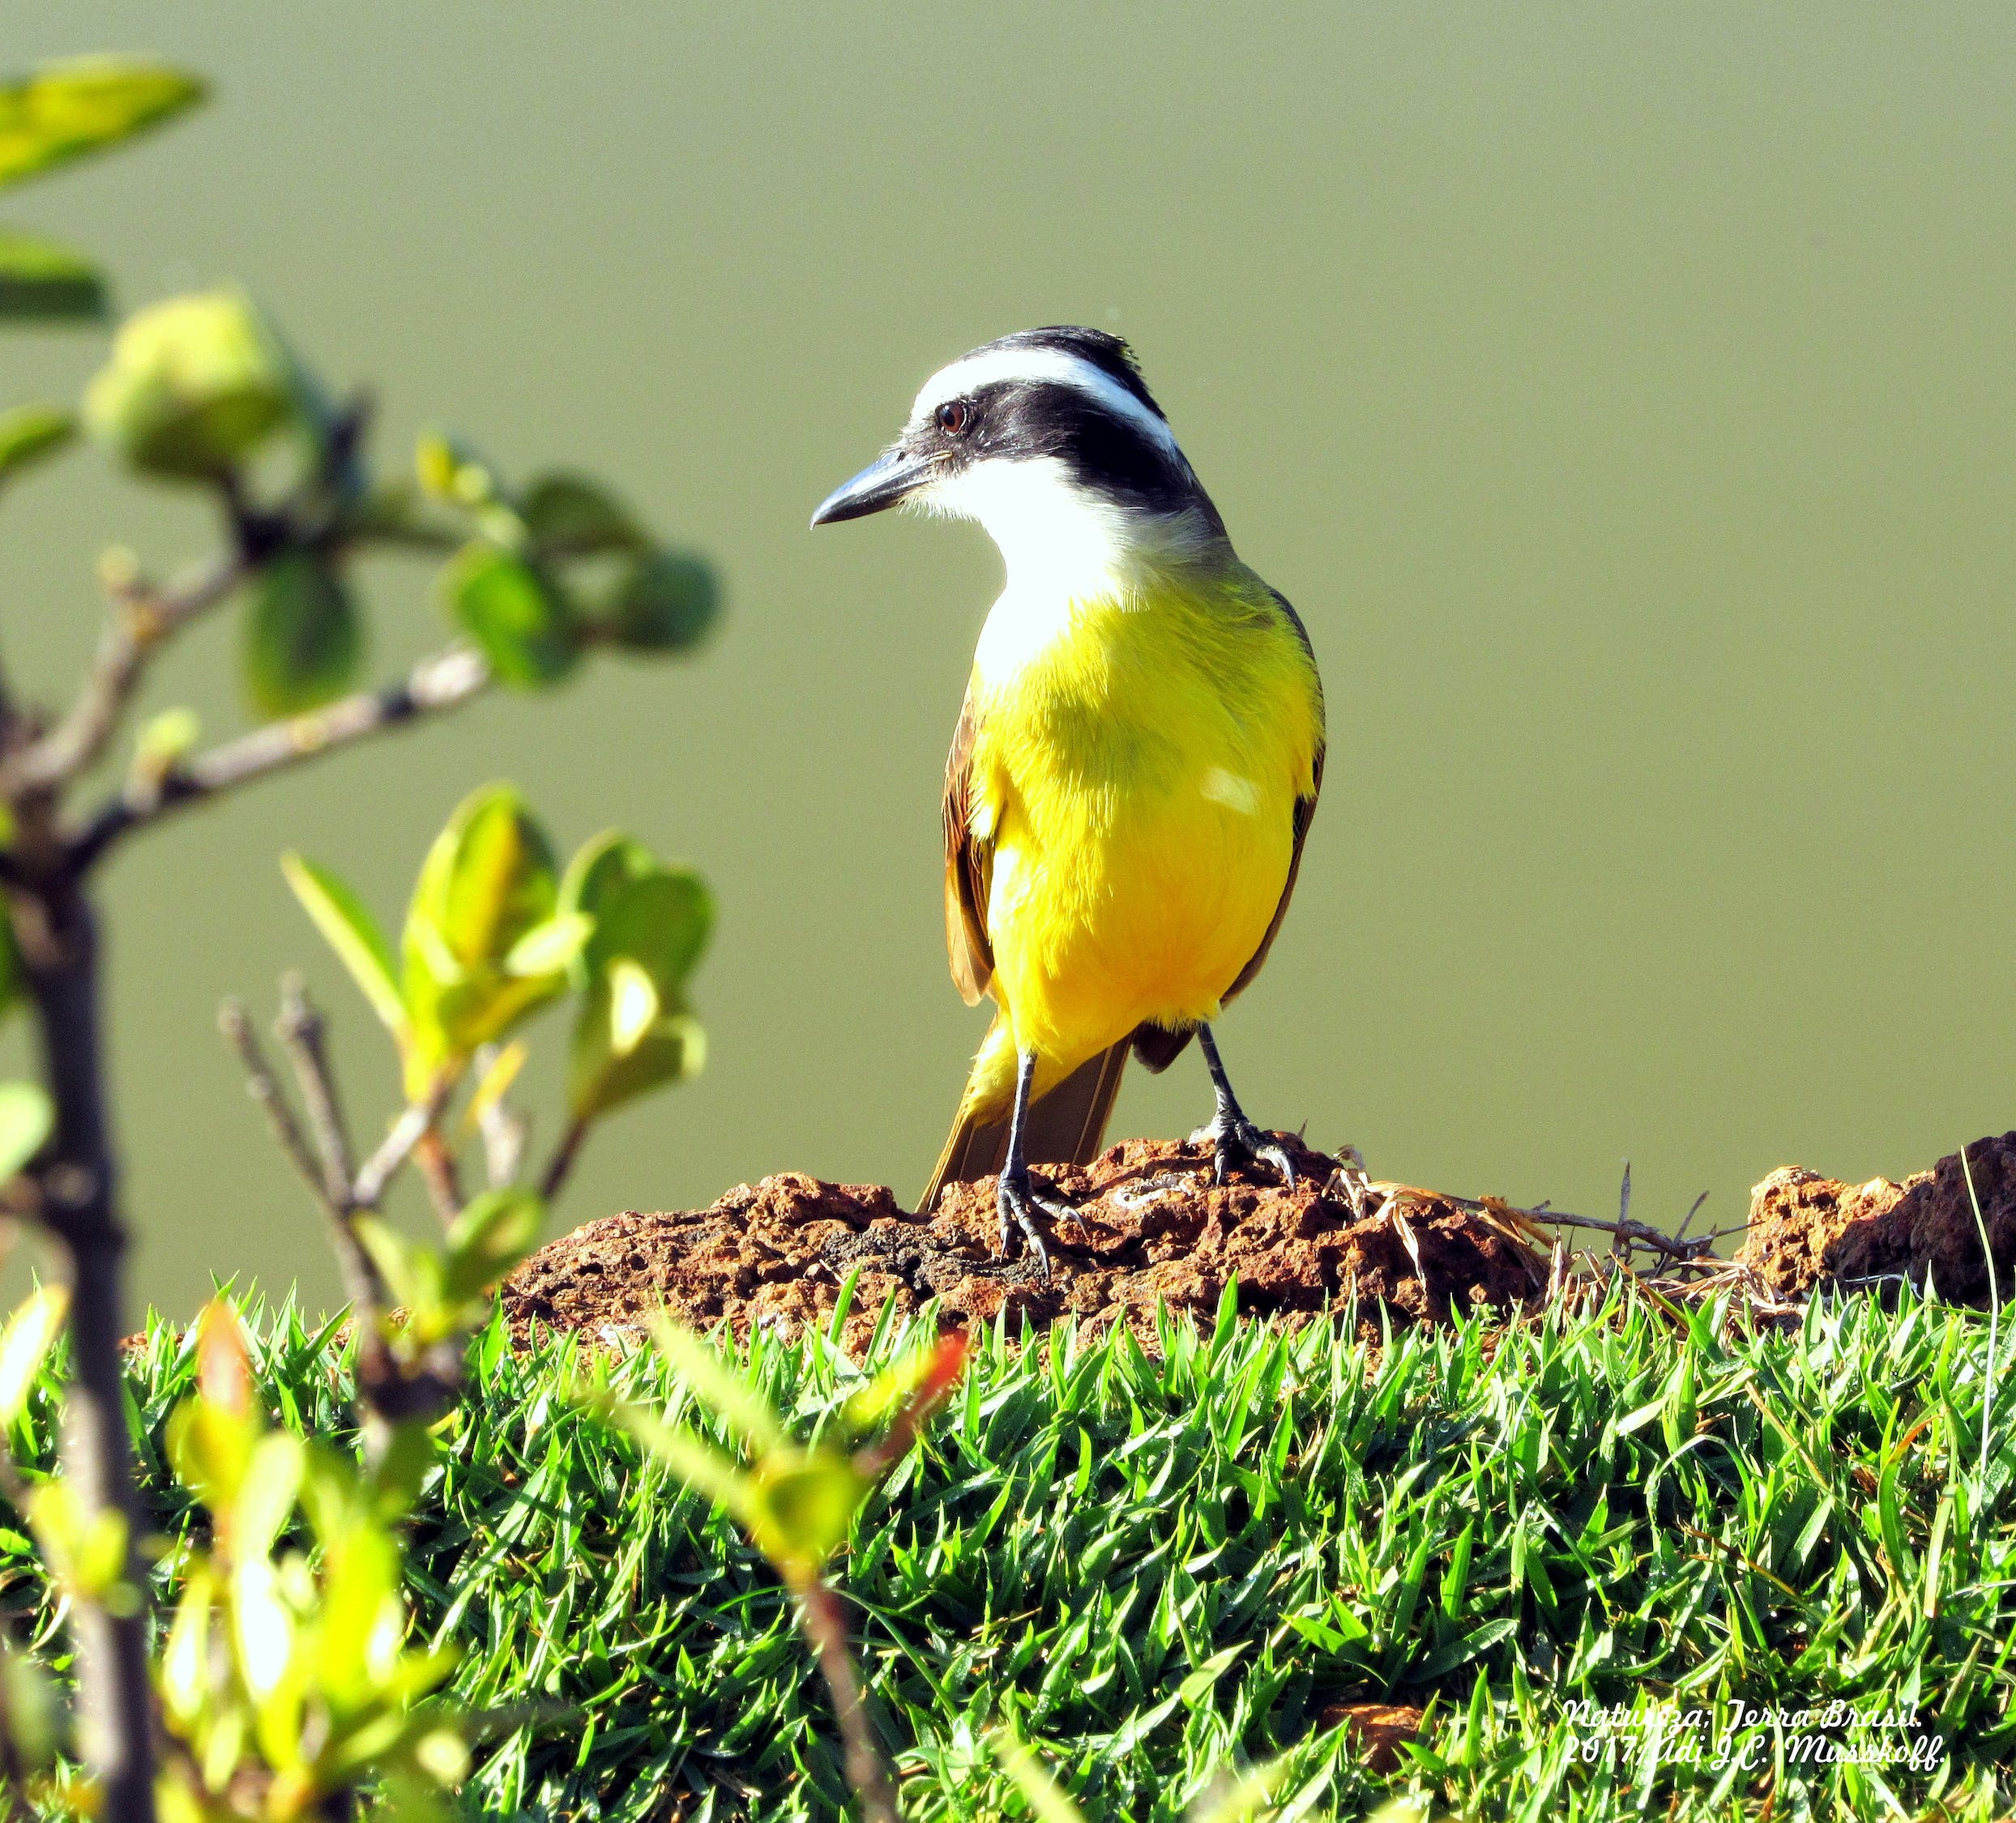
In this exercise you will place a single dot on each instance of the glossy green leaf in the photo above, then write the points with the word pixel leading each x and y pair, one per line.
pixel 24 1345
pixel 32 434
pixel 351 932
pixel 488 881
pixel 26 1118
pixel 68 110
pixel 391 1255
pixel 304 642
pixel 550 948
pixel 569 515
pixel 633 1031
pixel 664 602
pixel 265 1498
pixel 521 623
pixel 43 281
pixel 194 385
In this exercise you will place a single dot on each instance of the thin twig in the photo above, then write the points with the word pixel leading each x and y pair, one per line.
pixel 503 1129
pixel 331 1189
pixel 260 1083
pixel 1684 1252
pixel 393 1151
pixel 299 1028
pixel 1994 1315
pixel 143 619
pixel 445 681
pixel 824 1621
pixel 435 1160
pixel 561 1163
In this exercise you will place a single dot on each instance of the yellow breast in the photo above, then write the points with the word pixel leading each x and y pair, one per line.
pixel 1136 766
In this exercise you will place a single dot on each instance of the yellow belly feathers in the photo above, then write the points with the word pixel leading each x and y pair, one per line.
pixel 1135 769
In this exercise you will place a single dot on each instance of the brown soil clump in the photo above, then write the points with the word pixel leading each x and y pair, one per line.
pixel 1808 1230
pixel 1155 1232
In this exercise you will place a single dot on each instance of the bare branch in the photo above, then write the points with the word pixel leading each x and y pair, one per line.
pixel 561 1165
pixel 823 1619
pixel 262 1086
pixel 445 681
pixel 505 1130
pixel 393 1152
pixel 435 1160
pixel 301 1030
pixel 143 619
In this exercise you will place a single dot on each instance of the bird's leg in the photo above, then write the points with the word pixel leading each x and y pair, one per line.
pixel 1015 1190
pixel 1232 1138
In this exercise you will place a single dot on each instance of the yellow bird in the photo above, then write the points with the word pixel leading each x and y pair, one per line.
pixel 1136 765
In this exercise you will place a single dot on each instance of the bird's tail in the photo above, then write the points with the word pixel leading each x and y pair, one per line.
pixel 1066 1125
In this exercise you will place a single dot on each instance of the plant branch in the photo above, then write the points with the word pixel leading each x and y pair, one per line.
pixel 443 682
pixel 820 1614
pixel 260 1084
pixel 56 935
pixel 143 619
pixel 561 1165
pixel 302 1031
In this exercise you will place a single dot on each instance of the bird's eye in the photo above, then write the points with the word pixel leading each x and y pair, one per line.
pixel 952 416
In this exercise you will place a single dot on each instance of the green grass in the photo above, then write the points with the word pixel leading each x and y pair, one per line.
pixel 1157 1563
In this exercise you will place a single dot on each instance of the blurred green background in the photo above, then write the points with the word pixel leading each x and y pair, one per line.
pixel 1623 394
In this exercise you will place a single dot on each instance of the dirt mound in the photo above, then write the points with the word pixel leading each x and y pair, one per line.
pixel 1156 1230
pixel 1807 1230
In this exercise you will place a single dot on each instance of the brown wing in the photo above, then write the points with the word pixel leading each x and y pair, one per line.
pixel 1305 814
pixel 968 867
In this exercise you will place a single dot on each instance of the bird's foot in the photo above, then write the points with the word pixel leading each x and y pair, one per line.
pixel 1019 1200
pixel 1235 1140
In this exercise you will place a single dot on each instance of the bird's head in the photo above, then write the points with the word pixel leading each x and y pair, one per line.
pixel 1050 439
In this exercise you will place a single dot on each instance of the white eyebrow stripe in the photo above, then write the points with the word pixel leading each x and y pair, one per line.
pixel 970 372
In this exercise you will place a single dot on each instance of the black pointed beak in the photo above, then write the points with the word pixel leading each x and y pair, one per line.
pixel 880 484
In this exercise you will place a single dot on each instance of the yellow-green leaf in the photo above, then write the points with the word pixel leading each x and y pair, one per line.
pixel 26 1118
pixel 81 105
pixel 194 385
pixel 25 1345
pixel 351 932
pixel 31 434
pixel 42 280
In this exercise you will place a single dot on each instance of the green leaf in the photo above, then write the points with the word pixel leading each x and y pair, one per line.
pixel 804 1504
pixel 67 110
pixel 633 1031
pixel 304 642
pixel 395 1257
pixel 353 933
pixel 523 626
pixel 194 385
pixel 32 433
pixel 716 1384
pixel 43 281
pixel 25 1345
pixel 569 515
pixel 488 883
pixel 664 602
pixel 548 949
pixel 489 1237
pixel 26 1118
pixel 266 1497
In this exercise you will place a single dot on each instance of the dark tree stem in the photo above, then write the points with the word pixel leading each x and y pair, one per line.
pixel 57 933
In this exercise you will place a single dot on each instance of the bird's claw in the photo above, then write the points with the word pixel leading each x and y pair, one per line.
pixel 1017 1199
pixel 1234 1140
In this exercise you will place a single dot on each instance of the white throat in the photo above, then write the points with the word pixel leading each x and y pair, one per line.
pixel 1062 545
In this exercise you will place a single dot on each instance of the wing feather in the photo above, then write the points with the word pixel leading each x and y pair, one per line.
pixel 968 867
